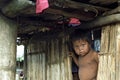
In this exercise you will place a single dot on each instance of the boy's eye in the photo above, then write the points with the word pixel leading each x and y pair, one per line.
pixel 83 45
pixel 77 46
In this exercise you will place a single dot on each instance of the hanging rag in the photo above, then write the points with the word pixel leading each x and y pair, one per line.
pixel 41 5
pixel 74 22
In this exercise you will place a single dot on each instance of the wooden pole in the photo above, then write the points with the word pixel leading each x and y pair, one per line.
pixel 114 11
pixel 25 61
pixel 8 31
pixel 100 21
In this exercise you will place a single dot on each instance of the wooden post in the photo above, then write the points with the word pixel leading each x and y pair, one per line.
pixel 25 61
pixel 8 33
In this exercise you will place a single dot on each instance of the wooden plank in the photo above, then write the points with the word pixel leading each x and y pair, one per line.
pixel 118 52
pixel 57 66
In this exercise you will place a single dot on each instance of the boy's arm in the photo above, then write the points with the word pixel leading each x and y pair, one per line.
pixel 75 59
pixel 97 57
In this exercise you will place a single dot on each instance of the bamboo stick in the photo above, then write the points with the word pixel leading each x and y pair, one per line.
pixel 118 53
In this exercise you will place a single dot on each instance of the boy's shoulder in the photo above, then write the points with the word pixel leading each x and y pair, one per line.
pixel 95 52
pixel 96 56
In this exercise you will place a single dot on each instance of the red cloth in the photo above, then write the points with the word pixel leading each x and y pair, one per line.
pixel 74 21
pixel 41 5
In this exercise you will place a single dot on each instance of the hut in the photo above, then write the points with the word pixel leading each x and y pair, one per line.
pixel 45 36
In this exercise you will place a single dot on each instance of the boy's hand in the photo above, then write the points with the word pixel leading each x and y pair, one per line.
pixel 71 54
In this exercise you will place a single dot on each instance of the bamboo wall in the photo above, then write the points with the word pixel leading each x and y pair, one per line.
pixel 48 60
pixel 109 65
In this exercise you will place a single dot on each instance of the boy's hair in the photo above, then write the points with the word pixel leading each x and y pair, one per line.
pixel 81 35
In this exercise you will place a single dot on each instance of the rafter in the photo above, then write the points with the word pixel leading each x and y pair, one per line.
pixel 101 21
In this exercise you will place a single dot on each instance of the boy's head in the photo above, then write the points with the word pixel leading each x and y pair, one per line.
pixel 81 35
pixel 81 41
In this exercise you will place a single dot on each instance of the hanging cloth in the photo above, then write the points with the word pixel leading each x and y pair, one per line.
pixel 41 5
pixel 74 22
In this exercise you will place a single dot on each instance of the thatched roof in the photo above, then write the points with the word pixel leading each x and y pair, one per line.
pixel 23 11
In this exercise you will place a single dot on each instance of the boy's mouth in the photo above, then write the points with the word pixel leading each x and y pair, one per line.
pixel 81 54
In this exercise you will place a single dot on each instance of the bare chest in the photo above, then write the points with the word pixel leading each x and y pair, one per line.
pixel 88 68
pixel 87 61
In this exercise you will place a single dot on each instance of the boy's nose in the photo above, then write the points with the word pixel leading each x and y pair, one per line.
pixel 81 51
pixel 80 48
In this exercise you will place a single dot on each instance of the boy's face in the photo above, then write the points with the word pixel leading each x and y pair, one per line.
pixel 81 47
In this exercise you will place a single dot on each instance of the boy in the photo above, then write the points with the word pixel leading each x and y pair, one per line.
pixel 87 61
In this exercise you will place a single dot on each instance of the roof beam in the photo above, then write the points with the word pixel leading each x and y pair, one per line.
pixel 67 14
pixel 77 5
pixel 82 16
pixel 114 11
pixel 101 21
